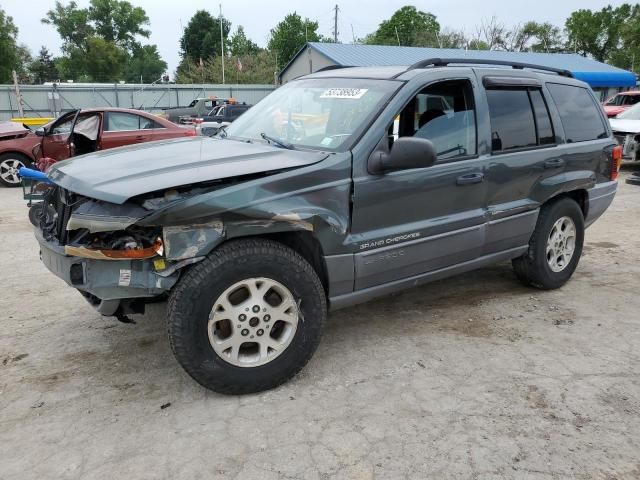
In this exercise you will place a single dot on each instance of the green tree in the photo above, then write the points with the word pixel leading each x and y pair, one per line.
pixel 43 67
pixel 71 22
pixel 100 43
pixel 9 52
pixel 288 36
pixel 98 61
pixel 201 37
pixel 145 62
pixel 256 68
pixel 451 39
pixel 240 44
pixel 408 26
pixel 627 56
pixel 118 22
pixel 597 34
pixel 545 37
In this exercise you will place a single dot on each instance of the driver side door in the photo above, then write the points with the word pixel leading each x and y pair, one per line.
pixel 56 143
pixel 410 222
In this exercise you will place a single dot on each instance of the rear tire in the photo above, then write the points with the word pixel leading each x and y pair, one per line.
pixel 553 253
pixel 9 165
pixel 205 314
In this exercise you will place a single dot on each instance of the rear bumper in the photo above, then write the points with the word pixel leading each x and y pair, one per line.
pixel 599 199
pixel 105 279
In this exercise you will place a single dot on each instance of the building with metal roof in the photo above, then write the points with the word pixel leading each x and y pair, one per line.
pixel 314 56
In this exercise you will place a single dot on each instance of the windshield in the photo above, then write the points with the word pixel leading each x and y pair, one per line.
pixel 632 113
pixel 320 113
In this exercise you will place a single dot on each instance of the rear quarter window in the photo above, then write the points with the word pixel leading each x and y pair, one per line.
pixel 579 113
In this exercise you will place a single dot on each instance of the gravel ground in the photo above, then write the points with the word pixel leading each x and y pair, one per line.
pixel 471 377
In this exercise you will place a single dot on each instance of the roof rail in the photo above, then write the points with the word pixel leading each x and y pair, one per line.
pixel 443 62
pixel 332 67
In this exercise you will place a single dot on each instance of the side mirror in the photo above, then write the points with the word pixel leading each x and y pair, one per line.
pixel 406 153
pixel 41 132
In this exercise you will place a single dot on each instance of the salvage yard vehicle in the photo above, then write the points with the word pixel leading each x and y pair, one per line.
pixel 197 108
pixel 220 117
pixel 79 132
pixel 621 102
pixel 410 174
pixel 626 130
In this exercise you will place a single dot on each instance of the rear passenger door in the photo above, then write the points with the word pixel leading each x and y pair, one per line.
pixel 123 128
pixel 523 154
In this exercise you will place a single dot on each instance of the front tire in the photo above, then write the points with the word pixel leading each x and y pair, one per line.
pixel 247 318
pixel 555 246
pixel 10 163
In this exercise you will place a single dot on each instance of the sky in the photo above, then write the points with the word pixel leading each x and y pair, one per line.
pixel 355 17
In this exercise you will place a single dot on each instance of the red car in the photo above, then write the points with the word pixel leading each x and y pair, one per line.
pixel 79 132
pixel 620 102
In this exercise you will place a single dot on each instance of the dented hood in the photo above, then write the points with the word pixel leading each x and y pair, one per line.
pixel 121 173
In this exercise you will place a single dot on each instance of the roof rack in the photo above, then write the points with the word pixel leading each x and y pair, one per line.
pixel 332 67
pixel 443 62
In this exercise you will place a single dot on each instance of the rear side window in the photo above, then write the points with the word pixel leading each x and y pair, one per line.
pixel 122 122
pixel 543 120
pixel 579 113
pixel 519 119
pixel 512 123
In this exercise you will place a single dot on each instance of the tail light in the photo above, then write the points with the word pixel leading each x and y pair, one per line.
pixel 616 161
pixel 191 132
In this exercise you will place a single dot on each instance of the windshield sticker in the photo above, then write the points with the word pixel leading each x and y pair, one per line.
pixel 344 93
pixel 326 141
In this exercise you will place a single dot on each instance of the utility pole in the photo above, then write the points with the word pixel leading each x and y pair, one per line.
pixel 353 34
pixel 397 36
pixel 222 44
pixel 18 94
pixel 335 24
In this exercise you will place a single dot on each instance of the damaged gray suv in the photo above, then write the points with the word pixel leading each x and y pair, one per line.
pixel 337 188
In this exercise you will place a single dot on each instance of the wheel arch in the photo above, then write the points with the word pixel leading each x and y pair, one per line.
pixel 307 245
pixel 18 152
pixel 580 196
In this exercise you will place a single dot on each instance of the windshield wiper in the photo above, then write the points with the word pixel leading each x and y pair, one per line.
pixel 277 141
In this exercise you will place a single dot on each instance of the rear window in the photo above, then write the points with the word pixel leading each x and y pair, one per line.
pixel 579 113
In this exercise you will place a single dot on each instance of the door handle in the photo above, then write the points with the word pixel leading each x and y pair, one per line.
pixel 140 137
pixel 469 178
pixel 554 163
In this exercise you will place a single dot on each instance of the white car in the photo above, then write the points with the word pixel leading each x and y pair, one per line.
pixel 626 130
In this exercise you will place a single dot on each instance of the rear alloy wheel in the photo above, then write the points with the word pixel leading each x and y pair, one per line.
pixel 248 317
pixel 10 164
pixel 561 244
pixel 555 246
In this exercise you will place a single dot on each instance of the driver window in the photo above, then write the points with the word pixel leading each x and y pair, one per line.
pixel 443 113
pixel 63 126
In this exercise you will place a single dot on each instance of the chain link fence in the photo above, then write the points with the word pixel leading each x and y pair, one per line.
pixel 54 99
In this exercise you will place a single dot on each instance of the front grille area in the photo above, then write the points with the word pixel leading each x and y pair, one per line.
pixel 53 215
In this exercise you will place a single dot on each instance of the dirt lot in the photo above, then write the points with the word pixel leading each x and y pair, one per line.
pixel 472 377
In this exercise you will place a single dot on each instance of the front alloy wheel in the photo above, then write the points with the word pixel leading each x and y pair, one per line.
pixel 248 317
pixel 253 322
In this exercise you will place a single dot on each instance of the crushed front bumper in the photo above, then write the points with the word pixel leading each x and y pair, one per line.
pixel 107 280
